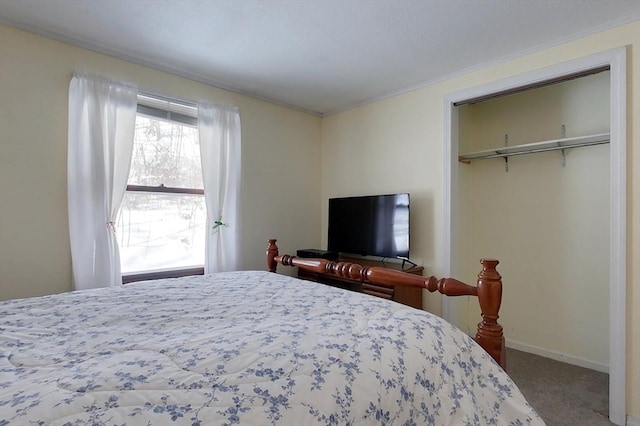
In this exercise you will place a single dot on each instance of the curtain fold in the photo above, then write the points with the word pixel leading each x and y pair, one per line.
pixel 220 148
pixel 102 117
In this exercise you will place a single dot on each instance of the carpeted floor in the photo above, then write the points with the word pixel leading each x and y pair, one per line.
pixel 562 394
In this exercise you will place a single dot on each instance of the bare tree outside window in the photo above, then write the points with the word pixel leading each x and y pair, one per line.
pixel 161 224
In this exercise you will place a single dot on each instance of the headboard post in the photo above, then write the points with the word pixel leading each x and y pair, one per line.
pixel 490 334
pixel 272 252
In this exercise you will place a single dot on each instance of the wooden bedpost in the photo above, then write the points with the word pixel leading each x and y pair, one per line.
pixel 490 335
pixel 272 252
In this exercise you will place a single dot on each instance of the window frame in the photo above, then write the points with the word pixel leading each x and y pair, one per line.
pixel 183 114
pixel 156 275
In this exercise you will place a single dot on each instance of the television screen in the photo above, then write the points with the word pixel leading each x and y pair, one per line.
pixel 376 225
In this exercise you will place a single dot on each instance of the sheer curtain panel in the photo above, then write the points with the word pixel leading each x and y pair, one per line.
pixel 102 117
pixel 220 136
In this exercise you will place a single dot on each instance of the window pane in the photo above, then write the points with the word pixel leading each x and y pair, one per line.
pixel 165 153
pixel 161 231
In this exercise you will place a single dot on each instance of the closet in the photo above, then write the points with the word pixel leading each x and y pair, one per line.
pixel 533 190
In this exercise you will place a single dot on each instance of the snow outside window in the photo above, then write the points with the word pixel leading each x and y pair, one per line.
pixel 162 219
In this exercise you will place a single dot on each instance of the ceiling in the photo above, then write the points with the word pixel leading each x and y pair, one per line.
pixel 319 56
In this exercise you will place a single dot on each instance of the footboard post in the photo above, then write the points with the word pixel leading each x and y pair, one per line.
pixel 272 252
pixel 490 334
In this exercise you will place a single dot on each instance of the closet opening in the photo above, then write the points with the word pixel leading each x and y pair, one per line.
pixel 536 178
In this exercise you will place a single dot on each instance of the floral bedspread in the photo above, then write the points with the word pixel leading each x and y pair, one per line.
pixel 251 348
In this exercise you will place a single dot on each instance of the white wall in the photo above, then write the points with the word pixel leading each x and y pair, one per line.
pixel 280 161
pixel 374 150
pixel 407 136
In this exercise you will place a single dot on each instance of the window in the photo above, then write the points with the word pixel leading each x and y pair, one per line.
pixel 162 219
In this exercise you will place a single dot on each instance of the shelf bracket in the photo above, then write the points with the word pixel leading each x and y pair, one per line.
pixel 506 159
pixel 563 134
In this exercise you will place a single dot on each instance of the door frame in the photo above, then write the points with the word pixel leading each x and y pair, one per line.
pixel 616 59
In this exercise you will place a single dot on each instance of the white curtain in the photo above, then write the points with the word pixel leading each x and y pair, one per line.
pixel 102 116
pixel 219 131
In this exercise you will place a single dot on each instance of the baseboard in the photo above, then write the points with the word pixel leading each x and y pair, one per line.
pixel 558 356
pixel 633 421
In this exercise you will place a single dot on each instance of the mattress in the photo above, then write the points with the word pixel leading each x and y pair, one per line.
pixel 243 348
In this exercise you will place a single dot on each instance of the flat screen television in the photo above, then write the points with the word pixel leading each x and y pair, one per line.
pixel 373 225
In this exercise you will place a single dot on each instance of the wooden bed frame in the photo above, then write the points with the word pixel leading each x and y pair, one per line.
pixel 488 290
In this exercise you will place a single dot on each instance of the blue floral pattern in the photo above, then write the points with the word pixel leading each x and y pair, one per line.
pixel 243 348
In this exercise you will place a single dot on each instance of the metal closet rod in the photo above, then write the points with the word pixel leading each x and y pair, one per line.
pixel 551 145
pixel 532 151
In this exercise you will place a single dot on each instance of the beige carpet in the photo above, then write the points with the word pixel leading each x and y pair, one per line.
pixel 562 394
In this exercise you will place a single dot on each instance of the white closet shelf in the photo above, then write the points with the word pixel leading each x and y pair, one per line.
pixel 530 148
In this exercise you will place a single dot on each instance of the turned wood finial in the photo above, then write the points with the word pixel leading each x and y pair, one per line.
pixel 490 334
pixel 272 252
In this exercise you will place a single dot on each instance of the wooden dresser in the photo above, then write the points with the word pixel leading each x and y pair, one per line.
pixel 410 296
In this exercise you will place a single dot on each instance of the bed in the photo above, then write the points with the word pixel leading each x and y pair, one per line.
pixel 246 348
